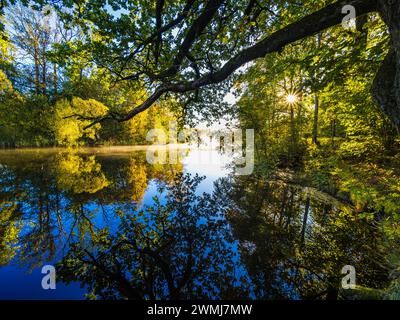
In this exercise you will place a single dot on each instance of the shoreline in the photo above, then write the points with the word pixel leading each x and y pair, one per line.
pixel 103 149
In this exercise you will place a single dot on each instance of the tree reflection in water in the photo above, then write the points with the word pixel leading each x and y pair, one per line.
pixel 299 240
pixel 181 248
pixel 250 238
pixel 291 246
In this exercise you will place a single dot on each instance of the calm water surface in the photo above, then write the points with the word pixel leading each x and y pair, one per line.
pixel 116 227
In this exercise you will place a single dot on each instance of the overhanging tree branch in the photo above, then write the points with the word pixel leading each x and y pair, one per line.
pixel 327 17
pixel 192 35
pixel 158 33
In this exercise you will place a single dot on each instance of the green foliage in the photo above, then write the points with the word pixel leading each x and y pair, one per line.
pixel 26 121
pixel 166 240
pixel 9 232
pixel 79 175
pixel 58 78
pixel 68 128
pixel 331 130
pixel 5 84
pixel 356 151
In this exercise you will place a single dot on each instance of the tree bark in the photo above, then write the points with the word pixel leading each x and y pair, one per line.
pixel 37 72
pixel 293 139
pixel 44 74
pixel 333 127
pixel 55 78
pixel 315 124
pixel 386 87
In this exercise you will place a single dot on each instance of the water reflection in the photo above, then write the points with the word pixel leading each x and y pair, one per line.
pixel 295 241
pixel 122 228
pixel 181 248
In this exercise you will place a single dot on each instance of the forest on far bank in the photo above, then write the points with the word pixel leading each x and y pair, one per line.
pixel 46 77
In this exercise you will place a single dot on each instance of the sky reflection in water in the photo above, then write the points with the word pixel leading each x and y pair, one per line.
pixel 271 241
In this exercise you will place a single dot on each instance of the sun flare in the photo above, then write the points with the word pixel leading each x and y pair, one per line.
pixel 291 98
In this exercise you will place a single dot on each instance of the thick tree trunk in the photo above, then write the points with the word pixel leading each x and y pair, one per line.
pixel 386 87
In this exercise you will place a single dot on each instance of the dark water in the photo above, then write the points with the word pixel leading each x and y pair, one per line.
pixel 116 227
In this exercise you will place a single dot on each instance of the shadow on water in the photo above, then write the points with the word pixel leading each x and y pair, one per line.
pixel 121 228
